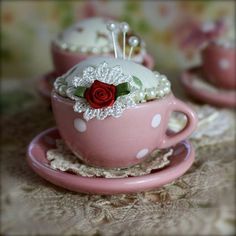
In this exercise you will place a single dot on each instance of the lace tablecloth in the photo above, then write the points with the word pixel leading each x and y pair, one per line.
pixel 200 202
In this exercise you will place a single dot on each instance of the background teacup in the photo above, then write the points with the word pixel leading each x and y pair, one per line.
pixel 64 60
pixel 91 37
pixel 124 141
pixel 218 64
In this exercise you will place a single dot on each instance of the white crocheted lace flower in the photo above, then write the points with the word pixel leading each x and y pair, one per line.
pixel 109 75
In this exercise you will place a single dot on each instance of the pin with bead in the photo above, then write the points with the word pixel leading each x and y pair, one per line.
pixel 124 27
pixel 133 42
pixel 112 27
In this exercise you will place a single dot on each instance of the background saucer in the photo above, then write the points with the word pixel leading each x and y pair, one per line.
pixel 45 85
pixel 181 161
pixel 207 94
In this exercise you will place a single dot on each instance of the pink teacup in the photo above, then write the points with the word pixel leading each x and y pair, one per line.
pixel 124 141
pixel 64 60
pixel 218 64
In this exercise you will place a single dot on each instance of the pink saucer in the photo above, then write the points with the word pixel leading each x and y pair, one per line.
pixel 181 161
pixel 45 85
pixel 220 98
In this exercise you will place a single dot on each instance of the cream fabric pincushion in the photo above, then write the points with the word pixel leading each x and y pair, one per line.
pixel 86 36
pixel 149 85
pixel 90 36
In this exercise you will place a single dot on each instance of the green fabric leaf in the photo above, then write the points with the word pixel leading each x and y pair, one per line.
pixel 122 89
pixel 79 92
pixel 137 81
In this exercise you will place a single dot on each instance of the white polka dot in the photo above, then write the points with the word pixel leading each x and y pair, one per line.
pixel 156 120
pixel 80 125
pixel 142 153
pixel 224 64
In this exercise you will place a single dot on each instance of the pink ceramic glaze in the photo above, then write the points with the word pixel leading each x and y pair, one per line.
pixel 44 85
pixel 221 99
pixel 181 160
pixel 218 64
pixel 123 141
pixel 148 61
pixel 64 60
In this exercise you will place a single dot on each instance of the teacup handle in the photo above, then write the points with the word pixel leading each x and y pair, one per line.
pixel 179 106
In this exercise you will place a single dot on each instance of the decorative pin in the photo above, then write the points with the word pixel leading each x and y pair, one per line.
pixel 124 28
pixel 133 42
pixel 112 27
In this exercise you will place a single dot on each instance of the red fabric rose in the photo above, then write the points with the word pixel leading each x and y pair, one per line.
pixel 100 95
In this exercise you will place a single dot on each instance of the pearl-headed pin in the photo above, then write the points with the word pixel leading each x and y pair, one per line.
pixel 124 28
pixel 112 27
pixel 133 42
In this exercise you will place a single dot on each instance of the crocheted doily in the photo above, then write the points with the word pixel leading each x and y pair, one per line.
pixel 61 158
pixel 213 125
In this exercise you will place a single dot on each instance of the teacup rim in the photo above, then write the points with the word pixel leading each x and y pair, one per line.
pixel 55 47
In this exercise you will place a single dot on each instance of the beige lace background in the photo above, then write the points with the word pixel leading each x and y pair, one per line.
pixel 201 202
